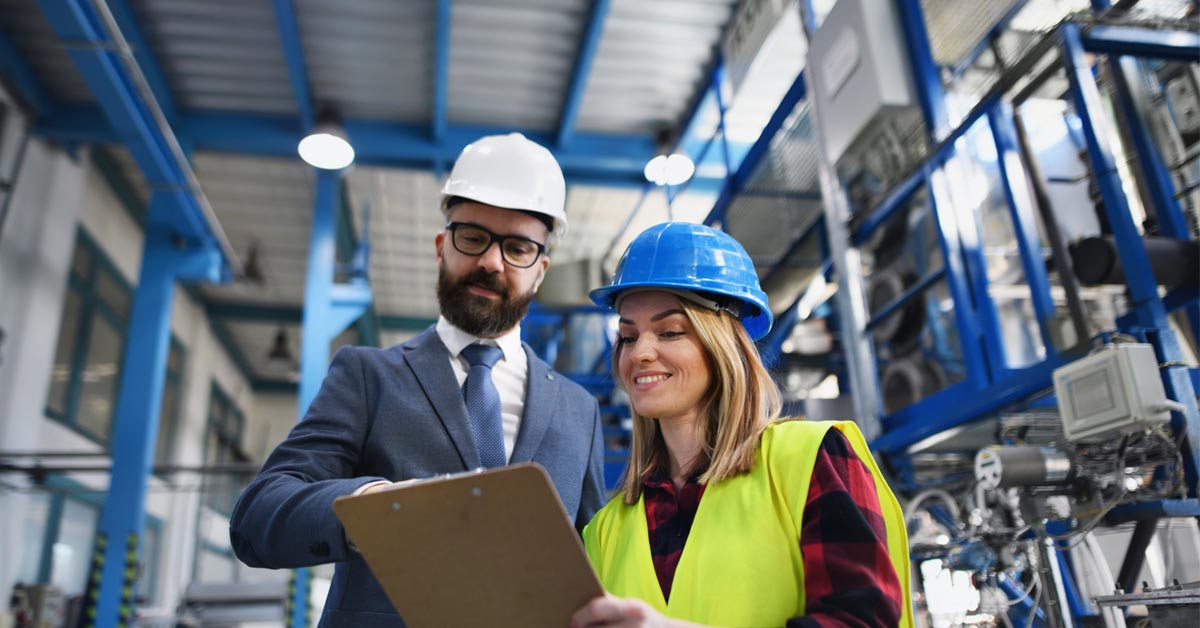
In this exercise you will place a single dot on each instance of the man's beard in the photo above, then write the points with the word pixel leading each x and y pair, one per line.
pixel 476 315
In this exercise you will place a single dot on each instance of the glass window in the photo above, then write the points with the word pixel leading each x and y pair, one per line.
pixel 101 368
pixel 223 446
pixel 147 573
pixel 86 372
pixel 64 355
pixel 168 418
pixel 214 566
pixel 81 263
pixel 34 521
pixel 71 554
pixel 113 293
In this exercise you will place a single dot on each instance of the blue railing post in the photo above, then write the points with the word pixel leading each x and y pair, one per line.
pixel 1016 193
pixel 926 77
pixel 109 600
pixel 1148 310
pixel 328 308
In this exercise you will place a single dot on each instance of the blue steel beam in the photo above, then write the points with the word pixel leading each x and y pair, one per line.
pixel 1149 311
pixel 583 68
pixel 328 309
pixel 293 54
pixel 1182 46
pixel 1016 186
pixel 758 151
pixel 139 399
pixel 135 118
pixel 695 138
pixel 22 78
pixel 927 78
pixel 602 156
pixel 441 69
pixel 145 57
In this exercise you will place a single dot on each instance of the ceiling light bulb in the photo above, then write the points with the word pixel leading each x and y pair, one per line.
pixel 672 170
pixel 326 148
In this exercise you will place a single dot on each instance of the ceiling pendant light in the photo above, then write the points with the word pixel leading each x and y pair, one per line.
pixel 327 146
pixel 669 169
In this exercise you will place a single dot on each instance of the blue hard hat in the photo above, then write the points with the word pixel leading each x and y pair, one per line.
pixel 696 258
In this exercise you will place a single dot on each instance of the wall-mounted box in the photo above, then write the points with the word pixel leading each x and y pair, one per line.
pixel 860 74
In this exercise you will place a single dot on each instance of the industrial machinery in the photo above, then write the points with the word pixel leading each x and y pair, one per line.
pixel 1026 338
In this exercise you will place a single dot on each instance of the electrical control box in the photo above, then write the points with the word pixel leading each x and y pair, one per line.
pixel 860 71
pixel 1112 391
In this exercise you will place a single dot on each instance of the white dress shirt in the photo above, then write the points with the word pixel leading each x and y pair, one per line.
pixel 510 374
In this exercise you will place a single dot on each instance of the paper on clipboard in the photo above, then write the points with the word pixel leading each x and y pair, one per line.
pixel 492 548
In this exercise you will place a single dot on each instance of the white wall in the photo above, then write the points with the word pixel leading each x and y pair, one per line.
pixel 55 194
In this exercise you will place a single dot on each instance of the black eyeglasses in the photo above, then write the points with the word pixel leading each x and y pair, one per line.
pixel 473 240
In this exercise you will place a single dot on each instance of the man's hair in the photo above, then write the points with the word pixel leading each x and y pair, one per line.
pixel 742 400
pixel 449 202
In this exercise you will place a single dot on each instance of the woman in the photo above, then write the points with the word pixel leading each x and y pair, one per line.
pixel 725 516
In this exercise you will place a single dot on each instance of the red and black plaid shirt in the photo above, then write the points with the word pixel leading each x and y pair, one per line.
pixel 849 578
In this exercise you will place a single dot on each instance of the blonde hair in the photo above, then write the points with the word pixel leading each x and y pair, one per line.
pixel 741 403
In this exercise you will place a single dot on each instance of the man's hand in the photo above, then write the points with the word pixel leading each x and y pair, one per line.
pixel 614 612
pixel 386 486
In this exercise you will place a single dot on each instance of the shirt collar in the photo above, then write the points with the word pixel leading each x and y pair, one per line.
pixel 456 340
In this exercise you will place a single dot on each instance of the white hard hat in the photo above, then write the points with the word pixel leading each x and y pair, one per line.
pixel 512 172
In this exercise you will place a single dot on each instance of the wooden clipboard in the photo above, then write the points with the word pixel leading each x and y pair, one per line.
pixel 488 548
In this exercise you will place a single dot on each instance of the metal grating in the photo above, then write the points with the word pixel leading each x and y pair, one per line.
pixel 27 28
pixel 373 59
pixel 791 164
pixel 222 55
pixel 404 219
pixel 956 28
pixel 651 61
pixel 268 200
pixel 511 66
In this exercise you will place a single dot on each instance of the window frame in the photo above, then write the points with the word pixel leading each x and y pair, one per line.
pixel 92 305
pixel 60 489
pixel 228 443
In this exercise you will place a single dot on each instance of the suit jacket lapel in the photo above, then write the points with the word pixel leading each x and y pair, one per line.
pixel 541 393
pixel 430 363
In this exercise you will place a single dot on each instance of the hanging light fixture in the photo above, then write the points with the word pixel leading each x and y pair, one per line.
pixel 669 169
pixel 252 272
pixel 281 358
pixel 327 146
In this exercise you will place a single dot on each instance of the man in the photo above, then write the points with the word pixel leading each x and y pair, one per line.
pixel 429 406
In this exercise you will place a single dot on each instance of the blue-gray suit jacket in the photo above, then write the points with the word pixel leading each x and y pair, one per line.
pixel 393 414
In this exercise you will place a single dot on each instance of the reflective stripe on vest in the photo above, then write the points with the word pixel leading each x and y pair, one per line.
pixel 741 565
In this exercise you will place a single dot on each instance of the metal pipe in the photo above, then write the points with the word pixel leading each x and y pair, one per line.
pixel 1058 245
pixel 125 52
pixel 1135 555
pixel 1174 262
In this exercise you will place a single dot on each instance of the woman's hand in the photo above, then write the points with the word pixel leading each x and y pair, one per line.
pixel 615 612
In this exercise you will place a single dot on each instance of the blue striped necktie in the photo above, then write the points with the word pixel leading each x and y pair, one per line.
pixel 483 404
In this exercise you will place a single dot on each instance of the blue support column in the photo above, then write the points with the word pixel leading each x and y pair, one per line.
pixel 589 42
pixel 1149 313
pixel 969 333
pixel 1016 193
pixel 926 77
pixel 1127 76
pixel 114 563
pixel 328 308
pixel 293 54
pixel 441 73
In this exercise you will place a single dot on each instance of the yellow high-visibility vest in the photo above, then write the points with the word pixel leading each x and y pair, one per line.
pixel 741 565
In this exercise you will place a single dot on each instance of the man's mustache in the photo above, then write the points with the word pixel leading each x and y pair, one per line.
pixel 488 281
